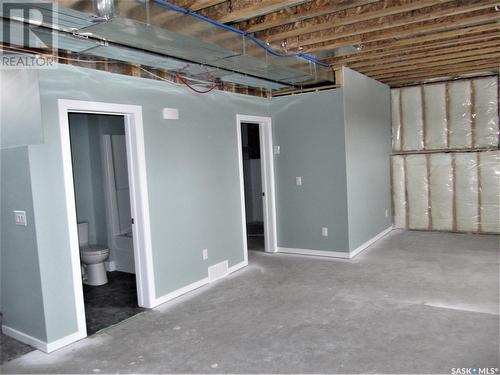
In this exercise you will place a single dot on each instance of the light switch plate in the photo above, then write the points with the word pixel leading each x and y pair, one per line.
pixel 205 254
pixel 324 231
pixel 20 218
pixel 277 150
pixel 298 181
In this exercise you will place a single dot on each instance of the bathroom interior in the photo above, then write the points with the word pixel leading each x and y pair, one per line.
pixel 102 198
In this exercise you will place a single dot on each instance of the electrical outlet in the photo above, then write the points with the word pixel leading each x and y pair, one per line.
pixel 277 150
pixel 205 254
pixel 324 231
pixel 386 213
pixel 298 181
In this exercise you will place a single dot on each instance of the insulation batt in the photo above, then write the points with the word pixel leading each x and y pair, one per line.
pixel 412 121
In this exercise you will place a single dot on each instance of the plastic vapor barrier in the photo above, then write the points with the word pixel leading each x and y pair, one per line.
pixel 441 188
pixel 396 120
pixel 458 115
pixel 486 111
pixel 418 191
pixel 435 113
pixel 398 191
pixel 446 162
pixel 412 120
pixel 458 191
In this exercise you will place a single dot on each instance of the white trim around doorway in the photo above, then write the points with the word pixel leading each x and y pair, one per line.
pixel 136 160
pixel 267 168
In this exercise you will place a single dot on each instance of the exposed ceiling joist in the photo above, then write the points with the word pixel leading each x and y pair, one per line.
pixel 300 13
pixel 450 23
pixel 416 54
pixel 336 21
pixel 433 42
pixel 426 67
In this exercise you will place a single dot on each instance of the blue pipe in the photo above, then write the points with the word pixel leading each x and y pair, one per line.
pixel 257 41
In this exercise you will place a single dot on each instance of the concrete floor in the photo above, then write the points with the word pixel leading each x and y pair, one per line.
pixel 415 302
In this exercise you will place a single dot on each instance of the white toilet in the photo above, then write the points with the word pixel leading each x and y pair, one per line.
pixel 93 257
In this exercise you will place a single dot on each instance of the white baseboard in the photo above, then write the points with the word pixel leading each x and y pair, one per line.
pixel 58 344
pixel 42 345
pixel 197 284
pixel 23 337
pixel 316 253
pixel 370 242
pixel 335 254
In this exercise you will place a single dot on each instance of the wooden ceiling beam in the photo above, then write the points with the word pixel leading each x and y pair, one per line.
pixel 335 21
pixel 434 61
pixel 447 71
pixel 240 10
pixel 418 22
pixel 418 43
pixel 422 67
pixel 450 23
pixel 196 5
pixel 416 55
pixel 300 13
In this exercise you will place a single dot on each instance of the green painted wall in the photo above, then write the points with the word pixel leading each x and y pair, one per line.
pixel 22 302
pixel 309 129
pixel 192 174
pixel 368 148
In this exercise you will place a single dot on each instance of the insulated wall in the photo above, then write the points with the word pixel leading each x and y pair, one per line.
pixel 445 163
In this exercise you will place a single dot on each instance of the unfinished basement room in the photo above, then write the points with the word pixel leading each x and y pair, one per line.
pixel 250 187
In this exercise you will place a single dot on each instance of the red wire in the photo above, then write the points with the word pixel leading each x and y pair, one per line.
pixel 183 80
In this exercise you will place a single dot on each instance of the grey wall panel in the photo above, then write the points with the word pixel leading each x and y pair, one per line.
pixel 22 303
pixel 192 171
pixel 18 93
pixel 368 148
pixel 309 128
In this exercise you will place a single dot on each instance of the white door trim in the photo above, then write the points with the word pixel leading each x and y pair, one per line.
pixel 267 169
pixel 136 160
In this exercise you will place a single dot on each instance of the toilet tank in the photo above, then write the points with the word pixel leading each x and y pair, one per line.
pixel 83 234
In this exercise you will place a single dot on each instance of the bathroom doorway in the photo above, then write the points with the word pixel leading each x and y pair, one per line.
pixel 103 214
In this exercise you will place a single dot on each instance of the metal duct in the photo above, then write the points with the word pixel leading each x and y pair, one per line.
pixel 105 8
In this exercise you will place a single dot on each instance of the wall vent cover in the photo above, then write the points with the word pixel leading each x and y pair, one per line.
pixel 218 271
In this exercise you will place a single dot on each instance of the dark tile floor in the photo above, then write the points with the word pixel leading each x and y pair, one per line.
pixel 111 303
pixel 255 236
pixel 11 348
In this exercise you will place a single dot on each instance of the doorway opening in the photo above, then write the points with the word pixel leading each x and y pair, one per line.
pixel 252 177
pixel 104 219
pixel 257 182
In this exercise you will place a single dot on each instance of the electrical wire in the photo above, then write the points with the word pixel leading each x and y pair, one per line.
pixel 247 35
pixel 185 81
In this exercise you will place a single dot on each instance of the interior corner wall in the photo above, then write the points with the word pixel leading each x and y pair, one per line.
pixel 22 302
pixel 192 174
pixel 367 112
pixel 309 128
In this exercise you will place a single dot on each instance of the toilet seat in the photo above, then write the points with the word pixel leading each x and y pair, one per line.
pixel 94 250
